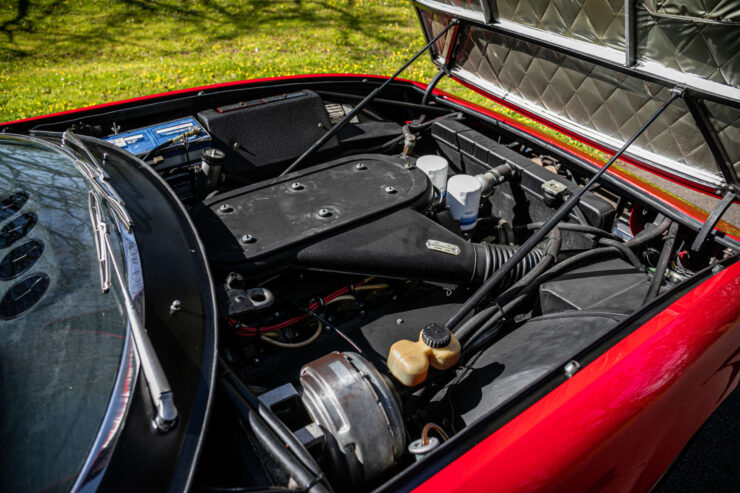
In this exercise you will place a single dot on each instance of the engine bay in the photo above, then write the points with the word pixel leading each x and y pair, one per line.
pixel 356 340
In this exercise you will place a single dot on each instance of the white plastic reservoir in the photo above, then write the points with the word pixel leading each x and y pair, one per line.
pixel 435 167
pixel 463 199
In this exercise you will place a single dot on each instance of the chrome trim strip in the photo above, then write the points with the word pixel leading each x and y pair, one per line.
pixel 660 162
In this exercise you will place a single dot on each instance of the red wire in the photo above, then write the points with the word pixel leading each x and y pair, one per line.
pixel 253 331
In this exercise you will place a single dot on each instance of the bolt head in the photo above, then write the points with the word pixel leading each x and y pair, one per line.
pixel 323 212
pixel 360 166
pixel 390 189
pixel 225 208
pixel 296 186
pixel 571 368
pixel 248 238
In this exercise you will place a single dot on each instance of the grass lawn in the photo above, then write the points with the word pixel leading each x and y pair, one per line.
pixel 62 54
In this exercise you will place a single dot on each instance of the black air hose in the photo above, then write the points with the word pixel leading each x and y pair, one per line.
pixel 407 245
pixel 496 255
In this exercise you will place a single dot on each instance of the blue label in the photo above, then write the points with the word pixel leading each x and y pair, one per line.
pixel 145 139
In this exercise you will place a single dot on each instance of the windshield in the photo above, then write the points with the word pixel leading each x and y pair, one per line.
pixel 61 338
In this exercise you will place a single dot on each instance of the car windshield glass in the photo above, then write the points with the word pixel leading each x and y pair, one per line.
pixel 61 338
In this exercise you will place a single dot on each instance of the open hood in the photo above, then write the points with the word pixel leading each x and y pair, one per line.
pixel 600 68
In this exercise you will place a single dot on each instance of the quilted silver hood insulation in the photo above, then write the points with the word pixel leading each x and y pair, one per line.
pixel 694 46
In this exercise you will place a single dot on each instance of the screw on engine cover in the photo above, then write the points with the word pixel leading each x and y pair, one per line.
pixel 399 321
pixel 360 166
pixel 324 212
pixel 225 208
pixel 571 368
pixel 390 189
pixel 296 186
pixel 248 238
pixel 176 306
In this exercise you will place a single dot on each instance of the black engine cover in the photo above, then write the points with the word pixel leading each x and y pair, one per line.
pixel 261 225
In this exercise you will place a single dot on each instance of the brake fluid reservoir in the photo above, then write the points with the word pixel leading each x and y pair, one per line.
pixel 409 361
pixel 463 199
pixel 435 167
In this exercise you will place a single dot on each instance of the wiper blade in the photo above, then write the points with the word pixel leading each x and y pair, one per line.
pixel 100 230
pixel 69 137
pixel 98 177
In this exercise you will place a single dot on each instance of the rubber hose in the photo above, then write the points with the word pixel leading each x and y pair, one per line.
pixel 497 255
pixel 581 228
pixel 665 256
pixel 626 252
pixel 648 234
pixel 551 254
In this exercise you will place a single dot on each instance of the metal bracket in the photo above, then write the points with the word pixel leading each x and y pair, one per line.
pixel 713 219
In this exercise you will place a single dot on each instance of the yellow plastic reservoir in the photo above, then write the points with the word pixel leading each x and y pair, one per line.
pixel 409 361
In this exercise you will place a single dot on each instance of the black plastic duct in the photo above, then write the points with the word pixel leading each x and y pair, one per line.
pixel 408 245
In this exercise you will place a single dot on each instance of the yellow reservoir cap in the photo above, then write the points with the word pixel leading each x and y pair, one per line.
pixel 409 361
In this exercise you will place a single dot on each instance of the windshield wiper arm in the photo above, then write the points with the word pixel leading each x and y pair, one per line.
pixel 98 177
pixel 159 387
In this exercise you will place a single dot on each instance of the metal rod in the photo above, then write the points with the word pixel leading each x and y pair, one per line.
pixel 562 212
pixel 333 130
pixel 388 102
pixel 630 33
pixel 699 111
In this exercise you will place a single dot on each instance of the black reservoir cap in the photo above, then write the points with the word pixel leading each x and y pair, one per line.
pixel 436 336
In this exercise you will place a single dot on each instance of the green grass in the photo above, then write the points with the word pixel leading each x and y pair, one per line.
pixel 57 55
pixel 60 54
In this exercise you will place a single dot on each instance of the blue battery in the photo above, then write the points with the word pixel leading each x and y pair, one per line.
pixel 142 140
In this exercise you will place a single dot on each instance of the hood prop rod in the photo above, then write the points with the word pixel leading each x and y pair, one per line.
pixel 561 213
pixel 336 128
